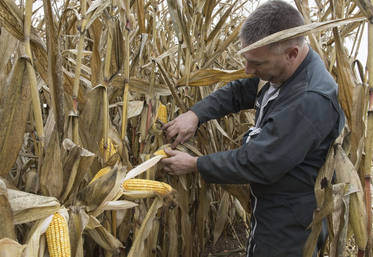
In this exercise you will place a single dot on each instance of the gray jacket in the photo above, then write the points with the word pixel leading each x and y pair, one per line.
pixel 296 129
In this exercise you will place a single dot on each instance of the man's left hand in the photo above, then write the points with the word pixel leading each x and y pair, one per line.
pixel 179 163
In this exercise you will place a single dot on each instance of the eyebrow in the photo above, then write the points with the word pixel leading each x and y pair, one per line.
pixel 253 61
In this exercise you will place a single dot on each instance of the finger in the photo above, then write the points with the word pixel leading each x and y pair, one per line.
pixel 177 141
pixel 167 125
pixel 170 153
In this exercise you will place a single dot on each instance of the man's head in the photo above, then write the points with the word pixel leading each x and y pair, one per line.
pixel 271 17
pixel 275 62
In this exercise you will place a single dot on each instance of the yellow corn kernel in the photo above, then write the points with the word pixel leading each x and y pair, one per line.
pixel 58 237
pixel 162 113
pixel 162 152
pixel 111 148
pixel 100 173
pixel 147 186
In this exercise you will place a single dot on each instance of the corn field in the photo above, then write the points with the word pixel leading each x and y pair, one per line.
pixel 87 85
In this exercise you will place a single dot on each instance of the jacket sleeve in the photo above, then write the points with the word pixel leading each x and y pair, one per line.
pixel 283 143
pixel 235 96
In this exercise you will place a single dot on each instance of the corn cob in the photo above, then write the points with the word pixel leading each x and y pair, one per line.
pixel 100 173
pixel 147 185
pixel 111 148
pixel 162 113
pixel 58 237
pixel 346 173
pixel 162 152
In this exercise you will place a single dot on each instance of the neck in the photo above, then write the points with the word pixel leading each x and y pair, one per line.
pixel 303 51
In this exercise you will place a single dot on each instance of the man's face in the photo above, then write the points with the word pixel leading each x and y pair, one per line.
pixel 265 64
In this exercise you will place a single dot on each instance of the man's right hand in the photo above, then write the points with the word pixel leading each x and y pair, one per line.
pixel 183 127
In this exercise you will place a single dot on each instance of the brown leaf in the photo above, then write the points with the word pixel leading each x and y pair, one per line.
pixel 28 207
pixel 11 18
pixel 77 223
pixel 11 248
pixel 102 237
pixel 7 229
pixel 75 168
pixel 51 174
pixel 8 44
pixel 55 74
pixel 13 116
pixel 91 120
pixel 207 77
pixel 221 217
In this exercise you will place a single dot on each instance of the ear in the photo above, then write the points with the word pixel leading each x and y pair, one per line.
pixel 292 53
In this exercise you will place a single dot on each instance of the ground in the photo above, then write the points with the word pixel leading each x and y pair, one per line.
pixel 231 243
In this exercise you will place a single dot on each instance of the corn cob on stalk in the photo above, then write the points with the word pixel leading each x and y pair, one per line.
pixel 111 148
pixel 58 237
pixel 346 173
pixel 162 113
pixel 147 185
pixel 100 173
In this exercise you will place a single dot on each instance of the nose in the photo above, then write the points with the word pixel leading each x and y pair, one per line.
pixel 249 68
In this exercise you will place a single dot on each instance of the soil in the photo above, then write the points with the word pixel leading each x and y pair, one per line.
pixel 231 243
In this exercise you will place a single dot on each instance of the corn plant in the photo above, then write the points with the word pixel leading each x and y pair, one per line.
pixel 85 89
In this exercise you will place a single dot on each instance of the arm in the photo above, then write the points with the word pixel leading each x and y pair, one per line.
pixel 235 96
pixel 284 142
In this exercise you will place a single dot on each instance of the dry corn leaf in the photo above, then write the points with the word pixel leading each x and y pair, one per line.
pixel 77 223
pixel 241 192
pixel 7 229
pixel 358 111
pixel 11 18
pixel 13 116
pixel 186 225
pixel 91 116
pixel 106 188
pixel 118 205
pixel 141 16
pixel 172 234
pixel 8 44
pixel 220 23
pixel 346 173
pixel 301 31
pixel 33 239
pixel 339 192
pixel 365 7
pixel 207 77
pixel 143 167
pixel 346 82
pixel 175 9
pixel 55 74
pixel 221 217
pixel 141 86
pixel 223 46
pixel 11 248
pixel 95 31
pixel 202 213
pixel 28 207
pixel 102 237
pixel 76 165
pixel 146 227
pixel 95 10
pixel 51 174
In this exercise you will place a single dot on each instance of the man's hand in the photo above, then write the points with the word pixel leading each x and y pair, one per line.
pixel 179 163
pixel 183 127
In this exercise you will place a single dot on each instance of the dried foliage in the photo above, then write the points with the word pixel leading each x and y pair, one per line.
pixel 85 85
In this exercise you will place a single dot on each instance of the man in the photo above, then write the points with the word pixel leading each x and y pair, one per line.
pixel 297 118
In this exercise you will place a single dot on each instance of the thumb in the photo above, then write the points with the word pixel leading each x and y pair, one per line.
pixel 170 152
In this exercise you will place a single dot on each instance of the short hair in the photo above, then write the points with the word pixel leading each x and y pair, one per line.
pixel 271 17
